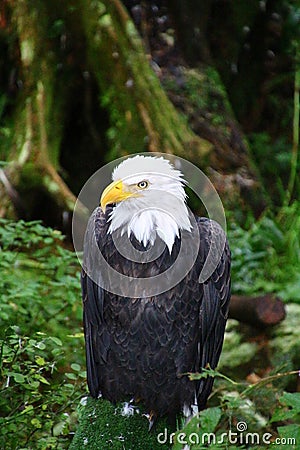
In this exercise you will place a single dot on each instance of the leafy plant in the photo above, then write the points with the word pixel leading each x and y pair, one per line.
pixel 41 343
pixel 266 256
pixel 239 421
pixel 36 400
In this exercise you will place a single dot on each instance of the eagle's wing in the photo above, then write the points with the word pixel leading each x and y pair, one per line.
pixel 214 305
pixel 97 338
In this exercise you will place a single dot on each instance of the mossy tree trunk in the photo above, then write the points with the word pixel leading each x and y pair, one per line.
pixel 140 111
pixel 33 153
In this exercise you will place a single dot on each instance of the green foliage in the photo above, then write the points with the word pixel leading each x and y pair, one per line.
pixel 42 374
pixel 236 352
pixel 266 256
pixel 290 410
pixel 290 407
pixel 273 176
pixel 285 344
pixel 36 268
pixel 199 431
pixel 242 418
pixel 35 401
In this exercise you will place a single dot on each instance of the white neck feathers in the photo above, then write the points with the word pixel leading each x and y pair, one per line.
pixel 146 223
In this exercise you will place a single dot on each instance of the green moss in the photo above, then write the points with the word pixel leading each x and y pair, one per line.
pixel 203 91
pixel 27 52
pixel 102 426
pixel 31 177
pixel 105 21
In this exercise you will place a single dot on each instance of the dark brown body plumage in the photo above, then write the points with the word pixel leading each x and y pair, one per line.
pixel 140 348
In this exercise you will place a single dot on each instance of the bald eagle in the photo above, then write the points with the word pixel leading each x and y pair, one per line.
pixel 146 324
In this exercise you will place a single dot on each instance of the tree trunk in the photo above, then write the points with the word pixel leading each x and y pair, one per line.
pixel 142 117
pixel 33 157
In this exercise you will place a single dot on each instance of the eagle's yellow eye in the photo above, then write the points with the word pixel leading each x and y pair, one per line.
pixel 143 184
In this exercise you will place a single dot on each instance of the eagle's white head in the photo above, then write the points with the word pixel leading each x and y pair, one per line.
pixel 150 200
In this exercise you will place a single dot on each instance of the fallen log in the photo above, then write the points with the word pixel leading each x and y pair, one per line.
pixel 260 312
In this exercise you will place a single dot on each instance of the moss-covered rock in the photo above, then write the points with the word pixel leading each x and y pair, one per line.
pixel 103 425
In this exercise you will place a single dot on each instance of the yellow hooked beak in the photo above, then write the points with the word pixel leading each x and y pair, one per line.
pixel 114 193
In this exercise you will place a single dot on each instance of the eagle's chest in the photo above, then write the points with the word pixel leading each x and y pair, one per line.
pixel 153 342
pixel 145 332
pixel 132 259
pixel 170 319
